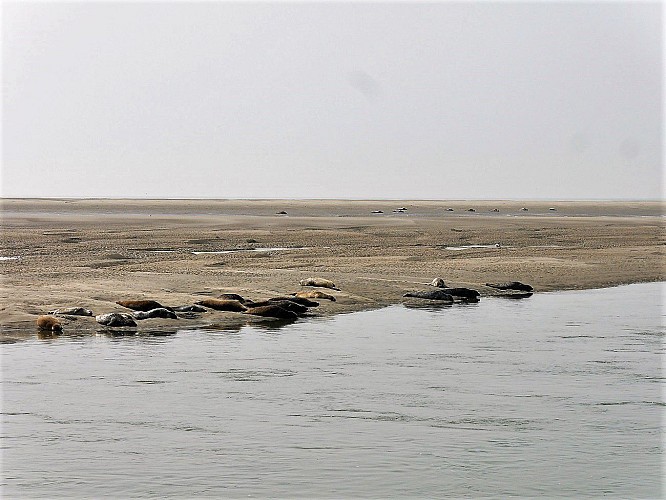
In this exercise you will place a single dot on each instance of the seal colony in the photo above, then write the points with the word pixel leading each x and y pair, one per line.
pixel 96 258
pixel 283 307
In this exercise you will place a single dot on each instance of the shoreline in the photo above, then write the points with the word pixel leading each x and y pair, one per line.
pixel 90 253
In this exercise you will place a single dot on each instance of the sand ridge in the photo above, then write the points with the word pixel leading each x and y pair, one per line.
pixel 91 253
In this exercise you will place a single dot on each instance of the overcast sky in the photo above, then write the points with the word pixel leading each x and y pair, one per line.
pixel 436 100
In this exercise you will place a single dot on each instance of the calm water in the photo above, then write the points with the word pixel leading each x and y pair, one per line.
pixel 559 395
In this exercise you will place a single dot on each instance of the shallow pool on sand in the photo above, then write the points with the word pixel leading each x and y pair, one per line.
pixel 558 395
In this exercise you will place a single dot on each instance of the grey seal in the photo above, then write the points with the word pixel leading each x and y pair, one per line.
pixel 511 285
pixel 159 312
pixel 192 308
pixel 463 293
pixel 141 305
pixel 115 319
pixel 272 311
pixel 438 294
pixel 73 311
pixel 232 296
pixel 438 282
pixel 284 304
pixel 304 301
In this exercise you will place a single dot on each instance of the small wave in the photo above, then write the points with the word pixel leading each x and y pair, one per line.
pixel 10 258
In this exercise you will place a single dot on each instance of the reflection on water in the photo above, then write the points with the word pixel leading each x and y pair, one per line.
pixel 557 396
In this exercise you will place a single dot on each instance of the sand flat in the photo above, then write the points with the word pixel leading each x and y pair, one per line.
pixel 91 253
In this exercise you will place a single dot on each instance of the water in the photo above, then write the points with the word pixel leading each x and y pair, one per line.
pixel 559 395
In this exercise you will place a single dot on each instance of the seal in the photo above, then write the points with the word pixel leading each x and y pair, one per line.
pixel 232 296
pixel 320 282
pixel 141 305
pixel 49 323
pixel 115 319
pixel 511 285
pixel 463 293
pixel 222 305
pixel 304 301
pixel 438 294
pixel 73 311
pixel 159 312
pixel 314 294
pixel 438 282
pixel 193 308
pixel 284 304
pixel 272 311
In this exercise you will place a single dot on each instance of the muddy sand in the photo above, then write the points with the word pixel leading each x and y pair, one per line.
pixel 92 253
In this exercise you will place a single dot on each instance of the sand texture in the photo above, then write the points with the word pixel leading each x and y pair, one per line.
pixel 91 253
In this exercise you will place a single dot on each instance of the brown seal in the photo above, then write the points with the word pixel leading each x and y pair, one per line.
pixel 272 311
pixel 222 305
pixel 141 305
pixel 314 294
pixel 321 282
pixel 49 323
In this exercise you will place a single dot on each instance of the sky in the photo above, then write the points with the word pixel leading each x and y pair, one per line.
pixel 400 100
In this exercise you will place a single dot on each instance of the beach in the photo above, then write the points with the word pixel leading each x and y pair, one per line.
pixel 91 253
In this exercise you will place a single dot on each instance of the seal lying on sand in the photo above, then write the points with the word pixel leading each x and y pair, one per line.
pixel 232 296
pixel 321 282
pixel 49 323
pixel 222 305
pixel 141 305
pixel 159 312
pixel 314 294
pixel 193 308
pixel 439 294
pixel 272 311
pixel 511 285
pixel 463 293
pixel 115 319
pixel 299 300
pixel 284 304
pixel 438 282
pixel 73 311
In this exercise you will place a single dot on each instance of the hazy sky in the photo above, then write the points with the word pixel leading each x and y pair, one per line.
pixel 437 100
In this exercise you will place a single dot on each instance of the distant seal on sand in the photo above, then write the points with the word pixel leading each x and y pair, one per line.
pixel 511 285
pixel 222 305
pixel 159 312
pixel 438 282
pixel 314 294
pixel 438 294
pixel 284 304
pixel 73 311
pixel 193 308
pixel 115 319
pixel 232 296
pixel 49 323
pixel 272 311
pixel 304 301
pixel 141 305
pixel 321 282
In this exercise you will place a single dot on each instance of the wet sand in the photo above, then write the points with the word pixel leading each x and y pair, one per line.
pixel 91 253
